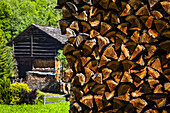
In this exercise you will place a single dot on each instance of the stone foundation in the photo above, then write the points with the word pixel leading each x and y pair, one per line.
pixel 45 83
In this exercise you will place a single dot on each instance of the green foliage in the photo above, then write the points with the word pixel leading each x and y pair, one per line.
pixel 5 19
pixel 4 90
pixel 61 107
pixel 3 57
pixel 62 59
pixel 15 91
pixel 6 60
pixel 11 69
pixel 26 12
pixel 28 97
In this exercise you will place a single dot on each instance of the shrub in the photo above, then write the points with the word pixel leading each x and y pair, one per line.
pixel 4 90
pixel 15 91
pixel 28 97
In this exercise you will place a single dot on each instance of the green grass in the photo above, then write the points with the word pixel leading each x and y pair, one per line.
pixel 61 107
pixel 40 93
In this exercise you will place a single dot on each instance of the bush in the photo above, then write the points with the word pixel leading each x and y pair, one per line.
pixel 4 90
pixel 15 91
pixel 28 97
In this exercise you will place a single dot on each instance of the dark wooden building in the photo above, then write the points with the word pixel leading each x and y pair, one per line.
pixel 36 47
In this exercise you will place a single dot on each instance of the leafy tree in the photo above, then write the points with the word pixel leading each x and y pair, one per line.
pixel 3 57
pixel 5 18
pixel 4 90
pixel 62 59
pixel 26 12
pixel 6 59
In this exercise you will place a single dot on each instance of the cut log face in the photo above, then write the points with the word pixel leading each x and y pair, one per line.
pixel 125 97
pixel 104 28
pixel 104 3
pixel 126 77
pixel 99 89
pixel 106 73
pixel 78 93
pixel 166 33
pixel 86 26
pixel 135 22
pixel 114 19
pixel 135 3
pixel 137 51
pixel 66 12
pixel 113 5
pixel 78 107
pixel 79 80
pixel 82 16
pixel 71 60
pixel 103 61
pixel 70 33
pixel 95 21
pixel 87 100
pixel 118 104
pixel 126 10
pixel 94 33
pixel 74 25
pixel 123 27
pixel 100 102
pixel 139 104
pixel 157 14
pixel 109 96
pixel 143 11
pixel 160 25
pixel 166 5
pixel 110 52
pixel 135 37
pixel 88 74
pixel 102 41
pixel 88 87
pixel 63 25
pixel 68 48
pixel 119 55
pixel 111 85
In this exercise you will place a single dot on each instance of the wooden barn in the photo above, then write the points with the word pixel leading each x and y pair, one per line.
pixel 36 47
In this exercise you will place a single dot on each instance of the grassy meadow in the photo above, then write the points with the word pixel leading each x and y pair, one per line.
pixel 60 107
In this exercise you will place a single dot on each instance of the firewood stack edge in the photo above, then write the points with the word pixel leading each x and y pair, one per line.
pixel 119 53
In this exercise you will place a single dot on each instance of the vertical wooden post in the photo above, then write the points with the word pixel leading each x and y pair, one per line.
pixel 32 42
pixel 44 100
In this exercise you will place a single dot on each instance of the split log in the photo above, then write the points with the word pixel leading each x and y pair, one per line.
pixel 166 5
pixel 99 89
pixel 101 102
pixel 78 80
pixel 106 73
pixel 135 23
pixel 139 104
pixel 135 3
pixel 111 85
pixel 78 93
pixel 87 100
pixel 118 52
pixel 88 87
pixel 143 11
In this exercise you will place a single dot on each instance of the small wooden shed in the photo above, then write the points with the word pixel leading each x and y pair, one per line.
pixel 36 47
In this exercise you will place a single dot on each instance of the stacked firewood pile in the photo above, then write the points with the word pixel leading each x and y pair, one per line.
pixel 119 53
